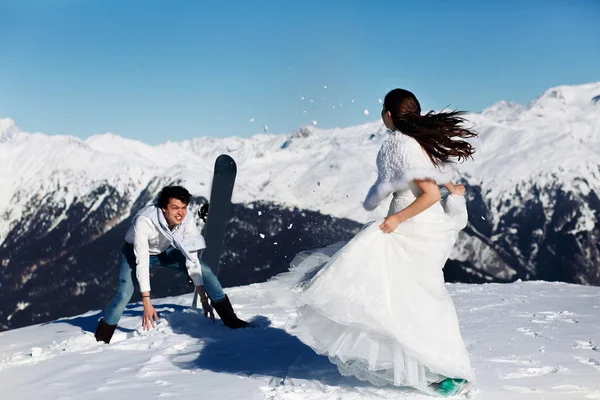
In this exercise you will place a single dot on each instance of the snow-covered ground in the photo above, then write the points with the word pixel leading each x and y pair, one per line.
pixel 528 340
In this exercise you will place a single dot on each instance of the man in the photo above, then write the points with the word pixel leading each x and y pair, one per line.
pixel 164 234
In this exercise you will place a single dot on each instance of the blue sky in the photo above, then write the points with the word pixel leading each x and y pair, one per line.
pixel 171 70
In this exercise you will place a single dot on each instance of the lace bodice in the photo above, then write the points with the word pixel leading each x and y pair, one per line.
pixel 401 160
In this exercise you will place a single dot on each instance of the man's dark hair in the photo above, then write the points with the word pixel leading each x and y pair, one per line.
pixel 173 192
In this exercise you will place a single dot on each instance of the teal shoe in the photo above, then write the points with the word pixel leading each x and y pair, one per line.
pixel 451 387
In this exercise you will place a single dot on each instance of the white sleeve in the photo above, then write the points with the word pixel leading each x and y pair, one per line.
pixel 142 229
pixel 400 161
pixel 194 268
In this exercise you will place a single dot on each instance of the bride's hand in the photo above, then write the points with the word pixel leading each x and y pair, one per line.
pixel 390 224
pixel 459 190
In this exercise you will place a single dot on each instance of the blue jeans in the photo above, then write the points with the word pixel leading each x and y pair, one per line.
pixel 172 258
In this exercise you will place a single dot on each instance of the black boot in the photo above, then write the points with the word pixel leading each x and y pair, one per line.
pixel 225 311
pixel 104 331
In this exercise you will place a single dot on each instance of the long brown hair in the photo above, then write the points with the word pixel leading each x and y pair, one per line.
pixel 440 133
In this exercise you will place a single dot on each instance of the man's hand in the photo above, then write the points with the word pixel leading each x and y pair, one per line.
pixel 203 213
pixel 208 310
pixel 390 224
pixel 149 314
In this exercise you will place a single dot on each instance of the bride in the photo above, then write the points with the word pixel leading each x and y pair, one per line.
pixel 378 308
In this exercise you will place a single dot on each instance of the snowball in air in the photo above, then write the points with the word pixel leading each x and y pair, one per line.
pixel 314 123
pixel 36 351
pixel 266 128
pixel 366 112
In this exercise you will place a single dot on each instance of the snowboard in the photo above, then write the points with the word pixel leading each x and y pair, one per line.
pixel 218 213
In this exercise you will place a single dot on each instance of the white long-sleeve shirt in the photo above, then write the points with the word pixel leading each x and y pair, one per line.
pixel 148 240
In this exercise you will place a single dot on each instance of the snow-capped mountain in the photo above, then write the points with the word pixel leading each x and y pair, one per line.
pixel 539 179
pixel 533 196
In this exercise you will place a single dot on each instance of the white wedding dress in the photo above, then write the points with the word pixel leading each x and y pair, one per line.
pixel 378 307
